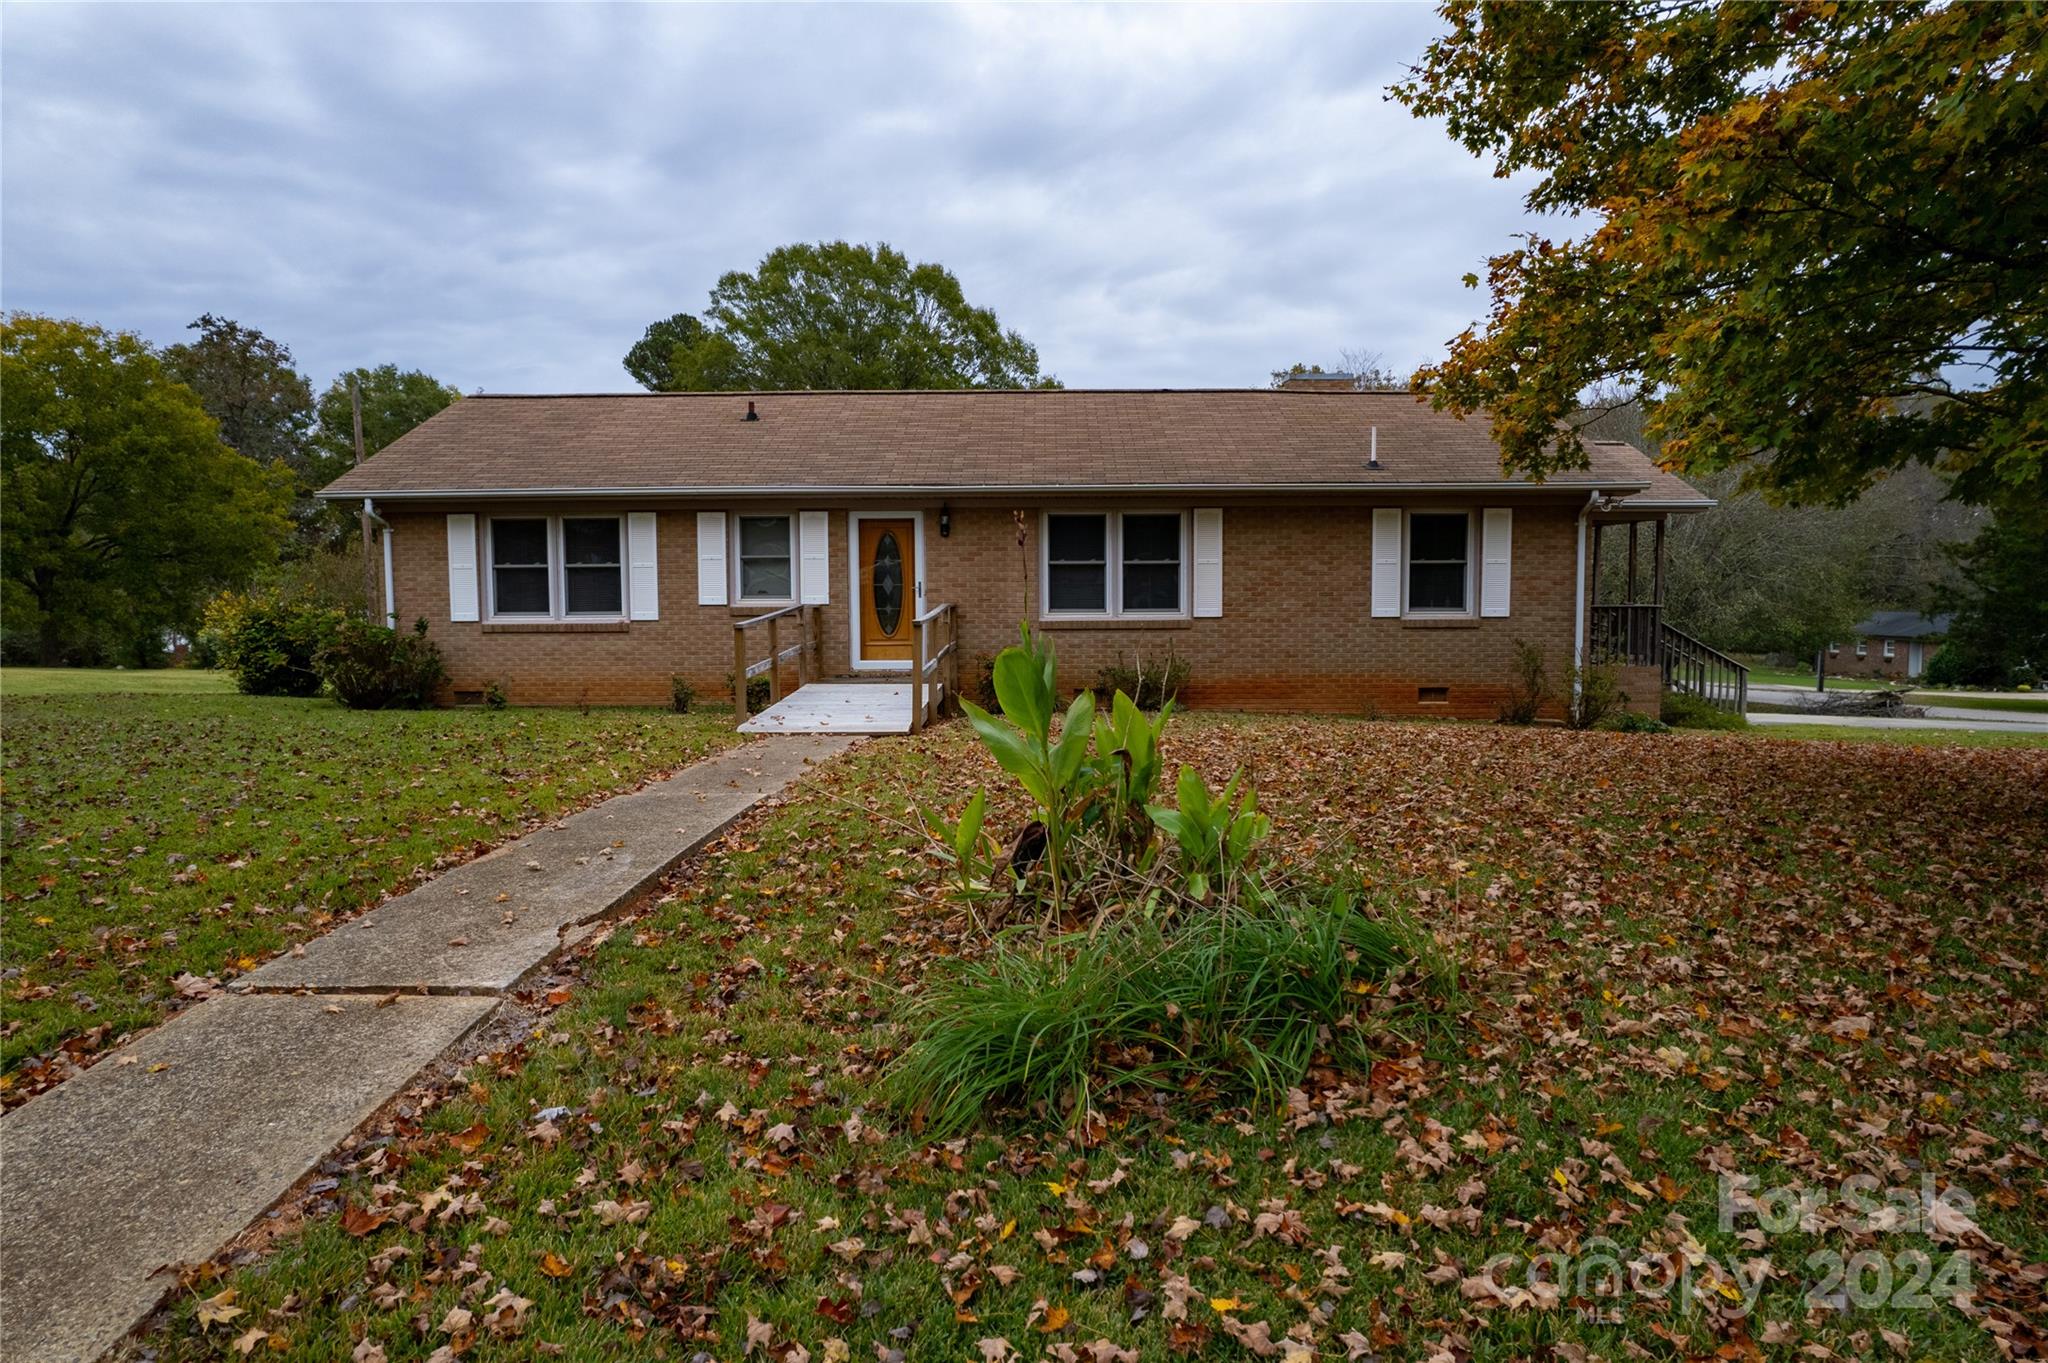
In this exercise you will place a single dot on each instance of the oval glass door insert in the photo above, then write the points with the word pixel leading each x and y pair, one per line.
pixel 888 583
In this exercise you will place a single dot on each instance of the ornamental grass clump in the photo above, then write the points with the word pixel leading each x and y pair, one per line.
pixel 1236 1001
pixel 1156 948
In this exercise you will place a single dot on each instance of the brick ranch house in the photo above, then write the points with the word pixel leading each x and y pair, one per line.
pixel 1301 549
pixel 1893 645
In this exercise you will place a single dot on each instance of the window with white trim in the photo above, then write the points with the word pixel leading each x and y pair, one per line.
pixel 1862 649
pixel 1888 654
pixel 1439 572
pixel 1115 564
pixel 764 568
pixel 557 567
pixel 1834 650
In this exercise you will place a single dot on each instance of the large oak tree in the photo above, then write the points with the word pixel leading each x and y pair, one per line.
pixel 124 508
pixel 1818 234
pixel 838 315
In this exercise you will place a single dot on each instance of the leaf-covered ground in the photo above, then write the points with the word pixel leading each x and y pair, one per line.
pixel 1683 957
pixel 148 836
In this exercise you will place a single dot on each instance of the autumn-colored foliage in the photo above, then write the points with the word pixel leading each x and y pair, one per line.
pixel 1818 229
pixel 1683 956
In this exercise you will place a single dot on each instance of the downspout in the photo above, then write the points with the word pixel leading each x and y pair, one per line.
pixel 390 605
pixel 1579 600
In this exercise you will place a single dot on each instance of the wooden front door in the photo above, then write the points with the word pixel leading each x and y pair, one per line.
pixel 887 589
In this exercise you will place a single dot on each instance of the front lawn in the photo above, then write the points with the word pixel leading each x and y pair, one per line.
pixel 151 834
pixel 1682 956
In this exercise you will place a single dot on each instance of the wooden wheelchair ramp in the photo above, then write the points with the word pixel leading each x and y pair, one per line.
pixel 837 708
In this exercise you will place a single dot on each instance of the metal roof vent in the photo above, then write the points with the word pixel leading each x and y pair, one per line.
pixel 752 415
pixel 1372 458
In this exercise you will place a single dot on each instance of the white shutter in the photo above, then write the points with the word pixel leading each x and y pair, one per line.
pixel 1208 562
pixel 462 598
pixel 1498 564
pixel 711 573
pixel 814 531
pixel 643 578
pixel 1386 561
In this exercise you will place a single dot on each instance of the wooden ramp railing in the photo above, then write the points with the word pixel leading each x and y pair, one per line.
pixel 934 663
pixel 808 650
pixel 1697 670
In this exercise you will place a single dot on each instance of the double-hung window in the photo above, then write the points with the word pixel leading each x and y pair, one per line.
pixel 1862 648
pixel 766 563
pixel 557 567
pixel 1439 563
pixel 1103 563
pixel 1888 653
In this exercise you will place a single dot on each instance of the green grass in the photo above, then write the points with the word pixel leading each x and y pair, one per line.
pixel 156 833
pixel 1797 676
pixel 17 682
pixel 1964 700
pixel 1930 738
pixel 1669 950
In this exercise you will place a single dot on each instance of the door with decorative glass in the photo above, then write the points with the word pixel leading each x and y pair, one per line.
pixel 887 589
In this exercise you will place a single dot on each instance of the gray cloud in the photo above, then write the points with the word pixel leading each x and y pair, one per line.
pixel 506 195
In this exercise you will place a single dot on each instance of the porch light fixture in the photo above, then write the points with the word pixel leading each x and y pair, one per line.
pixel 945 522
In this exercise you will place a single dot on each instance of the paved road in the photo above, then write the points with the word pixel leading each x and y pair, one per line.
pixel 1938 716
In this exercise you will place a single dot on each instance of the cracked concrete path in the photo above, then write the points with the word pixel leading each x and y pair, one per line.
pixel 166 1149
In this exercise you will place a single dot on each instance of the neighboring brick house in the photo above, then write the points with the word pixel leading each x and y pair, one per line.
pixel 586 549
pixel 1891 644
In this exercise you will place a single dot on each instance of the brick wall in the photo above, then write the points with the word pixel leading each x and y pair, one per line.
pixel 1847 664
pixel 1296 630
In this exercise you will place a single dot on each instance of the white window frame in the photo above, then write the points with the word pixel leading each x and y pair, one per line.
pixel 1889 652
pixel 557 570
pixel 1834 650
pixel 1113 564
pixel 1470 610
pixel 1863 648
pixel 735 555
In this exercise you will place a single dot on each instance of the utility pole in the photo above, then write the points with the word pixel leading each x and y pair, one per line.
pixel 355 402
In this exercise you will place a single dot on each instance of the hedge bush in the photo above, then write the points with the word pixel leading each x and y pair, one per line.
pixel 369 667
pixel 268 645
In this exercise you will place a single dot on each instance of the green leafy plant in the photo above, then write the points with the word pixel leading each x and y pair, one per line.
pixel 1529 688
pixel 1629 722
pixel 370 667
pixel 1592 693
pixel 758 692
pixel 1051 769
pixel 1129 763
pixel 1238 1000
pixel 493 696
pixel 1217 833
pixel 1683 711
pixel 680 694
pixel 270 646
pixel 965 844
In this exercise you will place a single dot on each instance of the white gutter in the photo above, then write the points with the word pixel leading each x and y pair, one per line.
pixel 815 490
pixel 390 605
pixel 1579 601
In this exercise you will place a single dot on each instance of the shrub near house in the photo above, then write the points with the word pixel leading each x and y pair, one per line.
pixel 1307 549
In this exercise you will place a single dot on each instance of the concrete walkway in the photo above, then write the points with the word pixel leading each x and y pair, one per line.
pixel 168 1148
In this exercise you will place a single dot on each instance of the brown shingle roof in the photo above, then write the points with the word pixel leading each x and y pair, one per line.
pixel 859 441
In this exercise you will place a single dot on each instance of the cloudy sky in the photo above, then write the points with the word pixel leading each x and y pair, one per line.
pixel 506 195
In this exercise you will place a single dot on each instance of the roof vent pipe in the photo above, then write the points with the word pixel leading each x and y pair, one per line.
pixel 1372 458
pixel 752 415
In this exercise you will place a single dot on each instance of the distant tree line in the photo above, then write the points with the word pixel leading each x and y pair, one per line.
pixel 140 481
